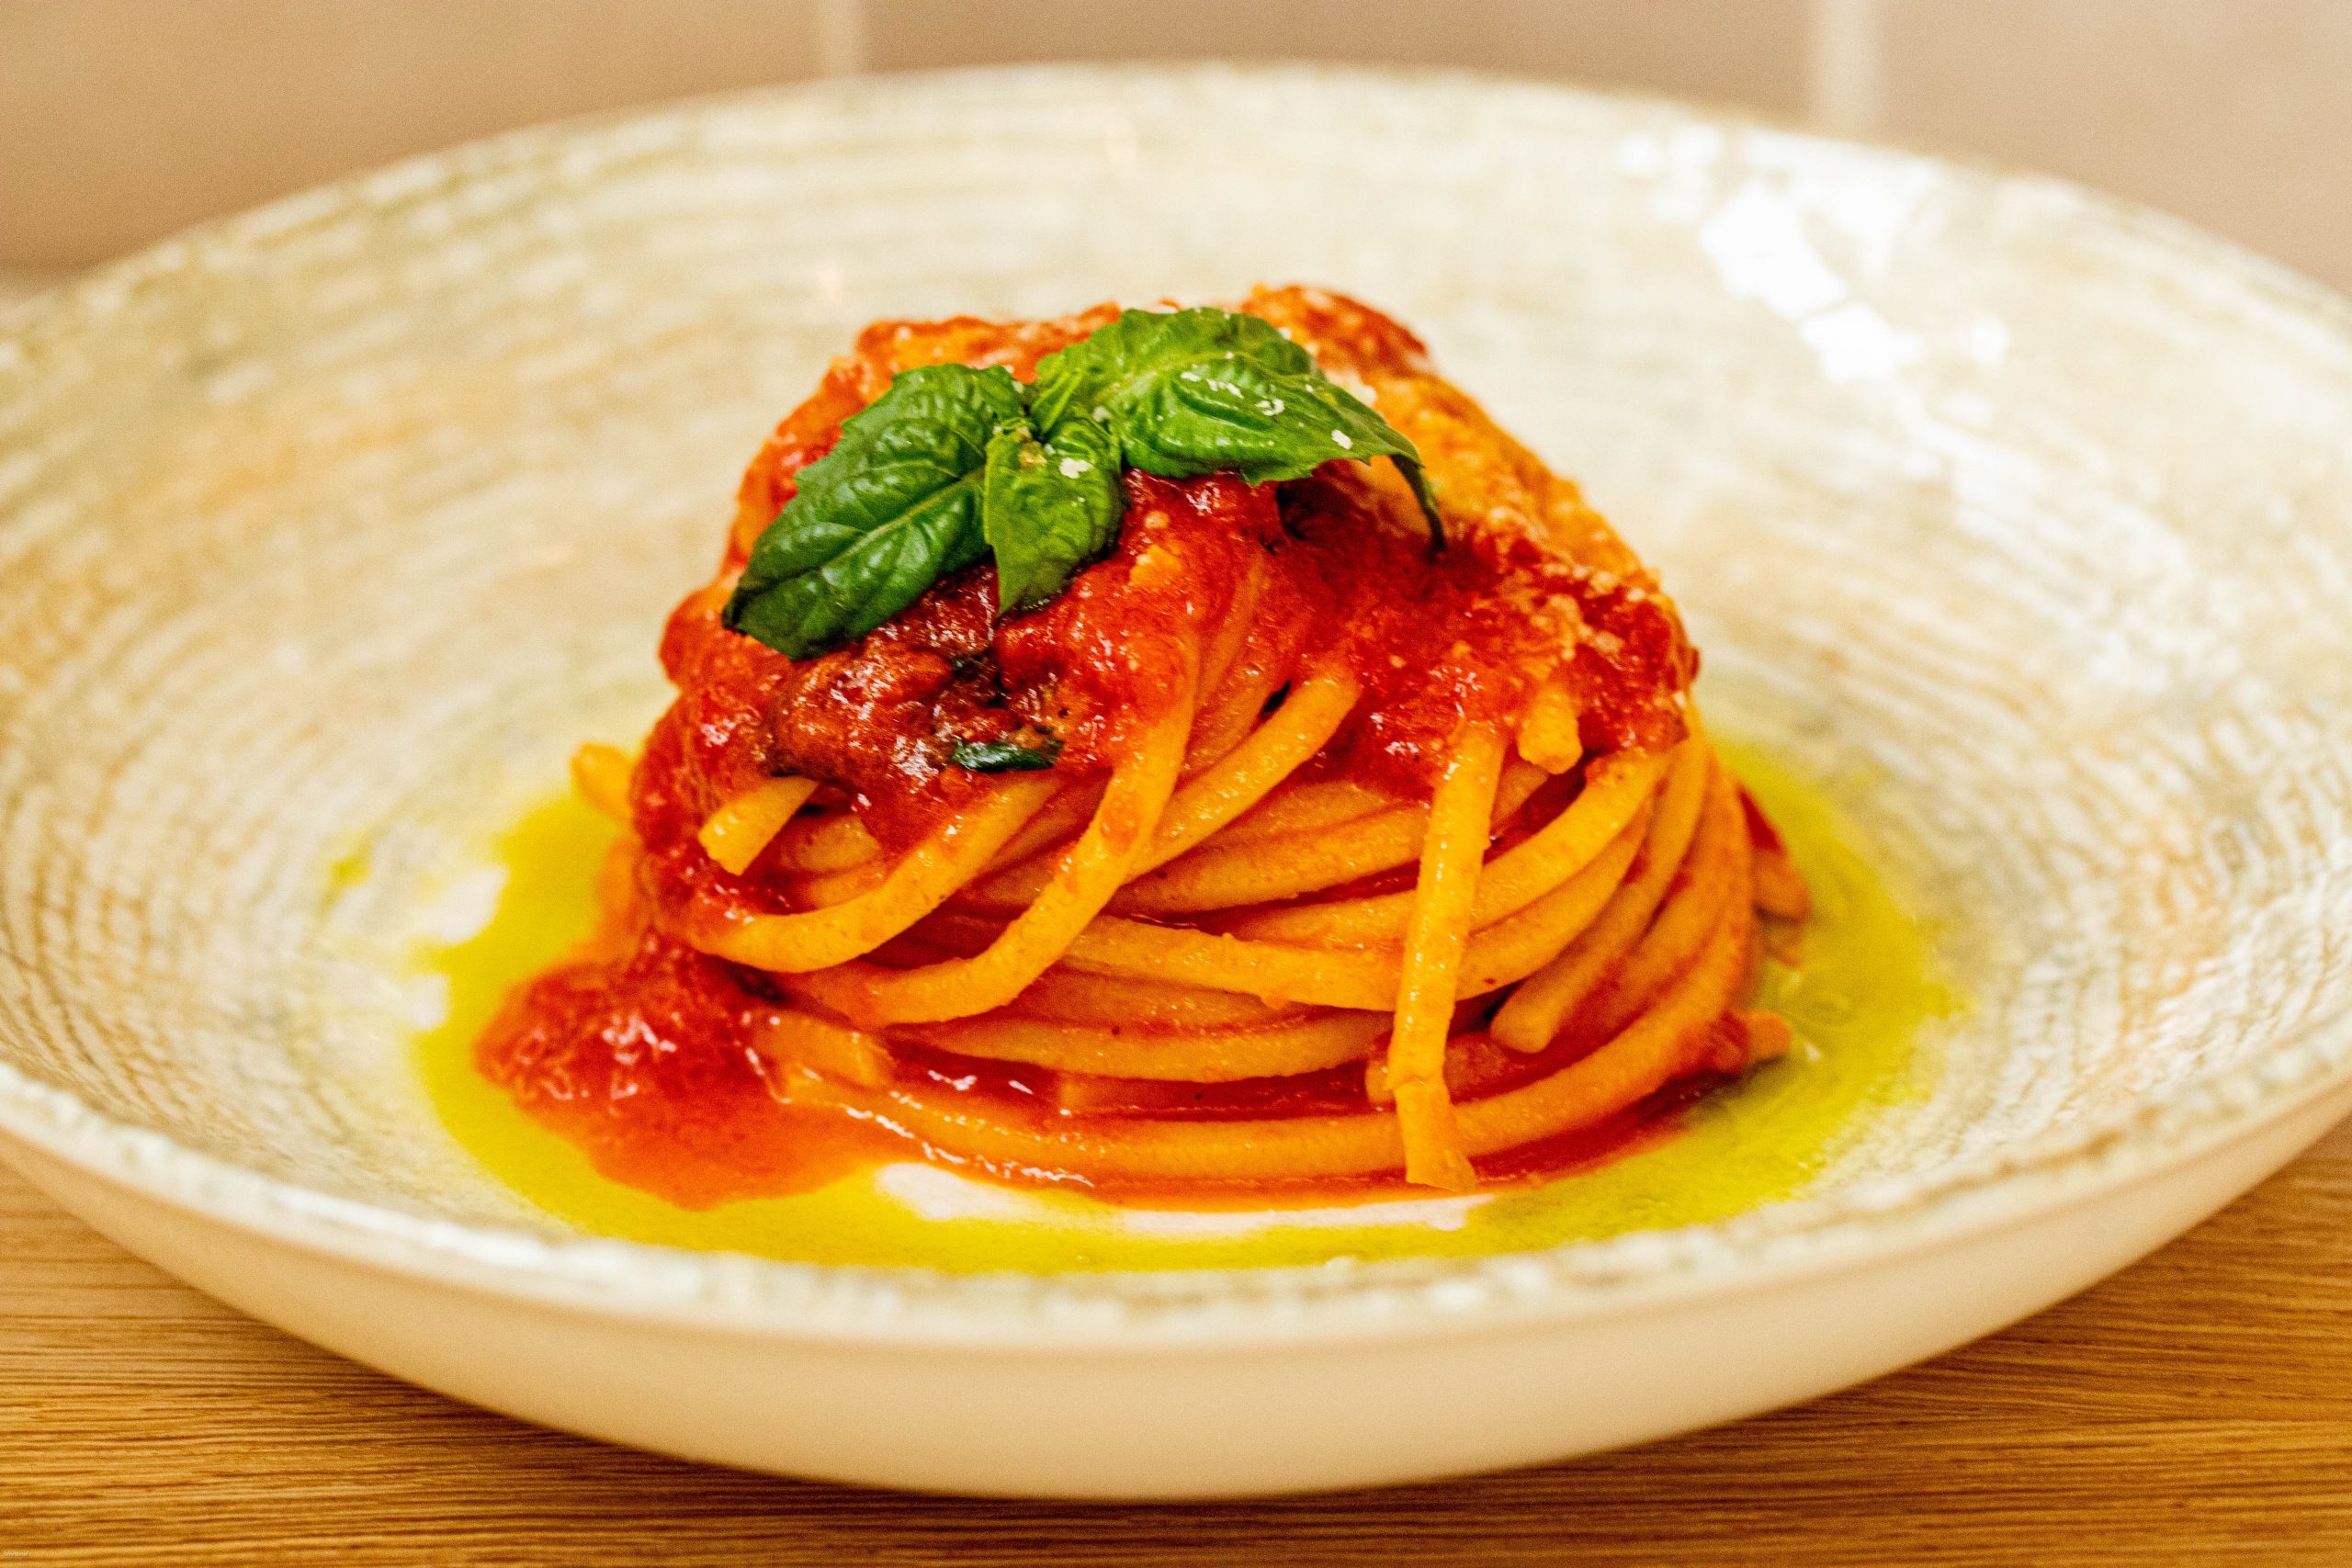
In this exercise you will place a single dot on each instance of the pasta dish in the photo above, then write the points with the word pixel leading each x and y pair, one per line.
pixel 1184 754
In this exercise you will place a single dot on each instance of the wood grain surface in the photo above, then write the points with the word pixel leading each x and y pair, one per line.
pixel 2197 1408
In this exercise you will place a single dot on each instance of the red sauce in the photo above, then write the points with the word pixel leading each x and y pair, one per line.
pixel 643 1052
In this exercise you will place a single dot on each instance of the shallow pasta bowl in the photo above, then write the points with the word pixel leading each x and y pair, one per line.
pixel 2017 520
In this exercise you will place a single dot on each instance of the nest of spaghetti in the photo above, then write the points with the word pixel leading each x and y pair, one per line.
pixel 1315 856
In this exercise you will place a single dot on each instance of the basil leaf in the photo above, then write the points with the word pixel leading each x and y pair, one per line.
pixel 1048 508
pixel 1004 756
pixel 1189 392
pixel 894 507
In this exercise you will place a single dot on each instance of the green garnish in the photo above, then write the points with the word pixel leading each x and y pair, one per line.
pixel 1189 392
pixel 1050 507
pixel 952 463
pixel 890 509
pixel 1004 756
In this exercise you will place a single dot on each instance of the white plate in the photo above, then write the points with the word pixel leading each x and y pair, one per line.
pixel 2017 517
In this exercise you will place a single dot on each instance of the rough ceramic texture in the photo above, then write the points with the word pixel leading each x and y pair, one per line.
pixel 2017 518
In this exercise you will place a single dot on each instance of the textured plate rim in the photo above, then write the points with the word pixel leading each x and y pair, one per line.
pixel 728 1292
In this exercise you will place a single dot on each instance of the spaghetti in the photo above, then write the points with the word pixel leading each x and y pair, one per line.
pixel 1329 860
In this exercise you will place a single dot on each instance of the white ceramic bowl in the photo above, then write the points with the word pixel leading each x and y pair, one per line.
pixel 2021 519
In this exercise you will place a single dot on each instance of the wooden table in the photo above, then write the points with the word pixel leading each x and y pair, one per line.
pixel 2197 1408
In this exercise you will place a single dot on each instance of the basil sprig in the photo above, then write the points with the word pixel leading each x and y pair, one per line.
pixel 953 463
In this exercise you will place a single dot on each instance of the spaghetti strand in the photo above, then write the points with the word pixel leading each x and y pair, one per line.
pixel 1435 934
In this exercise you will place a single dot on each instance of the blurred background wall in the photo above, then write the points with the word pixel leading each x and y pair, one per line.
pixel 121 121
